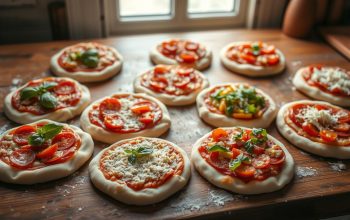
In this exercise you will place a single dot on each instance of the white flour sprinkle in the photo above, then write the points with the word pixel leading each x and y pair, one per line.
pixel 4 128
pixel 302 172
pixel 15 83
pixel 219 197
pixel 66 189
pixel 186 203
pixel 337 166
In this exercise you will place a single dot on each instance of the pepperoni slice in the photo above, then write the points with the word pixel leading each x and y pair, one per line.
pixel 21 134
pixel 22 158
pixel 65 88
pixel 47 152
pixel 109 106
pixel 261 162
pixel 113 122
pixel 158 83
pixel 64 140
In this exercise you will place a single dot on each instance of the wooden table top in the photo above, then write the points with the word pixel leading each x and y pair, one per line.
pixel 321 187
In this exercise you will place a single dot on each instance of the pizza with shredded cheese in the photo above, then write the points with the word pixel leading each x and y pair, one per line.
pixel 140 170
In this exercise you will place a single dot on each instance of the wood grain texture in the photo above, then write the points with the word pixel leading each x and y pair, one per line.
pixel 319 188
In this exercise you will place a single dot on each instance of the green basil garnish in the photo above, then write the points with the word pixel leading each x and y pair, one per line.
pixel 139 152
pixel 218 148
pixel 237 161
pixel 47 100
pixel 28 93
pixel 44 133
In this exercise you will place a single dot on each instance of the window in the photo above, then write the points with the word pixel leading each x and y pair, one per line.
pixel 140 16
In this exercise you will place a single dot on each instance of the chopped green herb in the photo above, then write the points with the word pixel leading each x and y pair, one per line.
pixel 139 152
pixel 235 163
pixel 44 133
pixel 218 148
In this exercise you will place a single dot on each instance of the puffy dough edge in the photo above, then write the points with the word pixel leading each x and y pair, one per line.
pixel 304 143
pixel 250 70
pixel 316 93
pixel 52 172
pixel 236 185
pixel 159 58
pixel 147 196
pixel 81 76
pixel 171 100
pixel 60 115
pixel 102 135
pixel 218 120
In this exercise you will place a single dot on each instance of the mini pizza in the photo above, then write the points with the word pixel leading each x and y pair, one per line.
pixel 243 160
pixel 183 52
pixel 331 84
pixel 140 171
pixel 42 151
pixel 125 115
pixel 317 127
pixel 253 58
pixel 54 98
pixel 236 104
pixel 87 62
pixel 173 85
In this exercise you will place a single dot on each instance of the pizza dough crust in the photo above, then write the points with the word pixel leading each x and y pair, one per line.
pixel 105 136
pixel 316 93
pixel 304 143
pixel 251 70
pixel 171 100
pixel 158 58
pixel 220 120
pixel 235 184
pixel 81 76
pixel 59 115
pixel 52 172
pixel 146 196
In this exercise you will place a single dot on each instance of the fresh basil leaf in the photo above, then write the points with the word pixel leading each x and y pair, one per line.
pixel 249 146
pixel 238 136
pixel 36 139
pixel 259 131
pixel 28 93
pixel 90 61
pixel 49 131
pixel 218 148
pixel 144 151
pixel 47 100
pixel 229 110
pixel 132 158
pixel 48 85
pixel 235 163
pixel 90 53
pixel 251 108
pixel 128 151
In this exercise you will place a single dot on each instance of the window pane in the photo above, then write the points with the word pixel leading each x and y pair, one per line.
pixel 208 6
pixel 142 7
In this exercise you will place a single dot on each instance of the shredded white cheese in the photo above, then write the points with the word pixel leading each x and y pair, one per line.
pixel 333 78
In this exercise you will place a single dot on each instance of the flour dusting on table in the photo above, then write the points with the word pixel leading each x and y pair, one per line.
pixel 302 172
pixel 338 166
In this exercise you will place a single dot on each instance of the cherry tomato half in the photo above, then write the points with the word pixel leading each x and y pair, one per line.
pixel 158 83
pixel 64 140
pixel 60 156
pixel 140 108
pixel 47 152
pixel 109 106
pixel 218 133
pixel 21 134
pixel 22 158
pixel 191 46
pixel 160 69
pixel 310 130
pixel 245 171
pixel 187 57
pixel 328 135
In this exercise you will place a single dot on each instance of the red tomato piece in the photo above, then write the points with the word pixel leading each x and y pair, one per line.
pixel 277 161
pixel 273 60
pixel 258 150
pixel 186 57
pixel 140 109
pixel 214 156
pixel 328 135
pixel 185 71
pixel 109 106
pixel 64 140
pixel 248 58
pixel 261 162
pixel 113 122
pixel 246 135
pixel 64 88
pixel 235 152
pixel 218 133
pixel 170 47
pixel 60 156
pixel 344 119
pixel 147 118
pixel 343 127
pixel 191 46
pixel 268 50
pixel 158 83
pixel 48 152
pixel 21 134
pixel 182 82
pixel 310 130
pixel 160 69
pixel 245 171
pixel 22 158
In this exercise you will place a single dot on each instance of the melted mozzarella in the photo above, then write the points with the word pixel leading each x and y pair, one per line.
pixel 319 118
pixel 333 78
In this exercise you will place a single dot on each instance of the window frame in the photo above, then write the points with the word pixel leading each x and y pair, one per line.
pixel 178 20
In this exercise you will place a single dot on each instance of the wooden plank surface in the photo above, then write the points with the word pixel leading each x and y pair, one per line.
pixel 321 187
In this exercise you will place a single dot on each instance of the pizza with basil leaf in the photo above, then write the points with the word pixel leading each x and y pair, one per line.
pixel 125 115
pixel 42 151
pixel 317 127
pixel 87 62
pixel 243 160
pixel 140 171
pixel 54 98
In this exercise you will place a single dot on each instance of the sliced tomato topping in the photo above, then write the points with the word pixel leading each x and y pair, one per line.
pixel 185 71
pixel 109 106
pixel 277 161
pixel 235 152
pixel 218 133
pixel 310 130
pixel 21 134
pixel 48 152
pixel 182 82
pixel 328 135
pixel 258 150
pixel 64 140
pixel 268 50
pixel 246 135
pixel 344 119
pixel 186 57
pixel 158 83
pixel 273 60
pixel 170 47
pixel 65 88
pixel 261 162
pixel 140 108
pixel 113 122
pixel 60 156
pixel 22 158
pixel 248 58
pixel 245 171
pixel 191 46
pixel 147 118
pixel 343 127
pixel 214 156
pixel 160 69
